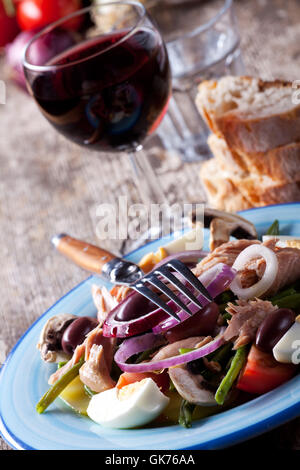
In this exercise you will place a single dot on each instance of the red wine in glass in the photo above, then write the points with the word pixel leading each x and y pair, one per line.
pixel 107 86
pixel 108 92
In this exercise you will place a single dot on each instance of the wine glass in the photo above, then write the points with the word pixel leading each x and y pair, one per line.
pixel 203 43
pixel 105 86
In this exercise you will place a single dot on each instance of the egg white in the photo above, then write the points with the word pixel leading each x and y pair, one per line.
pixel 134 405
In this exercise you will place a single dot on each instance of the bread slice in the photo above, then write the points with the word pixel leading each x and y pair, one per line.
pixel 232 192
pixel 281 164
pixel 250 114
pixel 228 160
pixel 220 191
pixel 262 190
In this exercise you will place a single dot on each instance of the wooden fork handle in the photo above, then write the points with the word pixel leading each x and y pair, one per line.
pixel 87 256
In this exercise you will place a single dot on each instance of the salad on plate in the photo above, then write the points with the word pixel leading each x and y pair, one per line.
pixel 134 366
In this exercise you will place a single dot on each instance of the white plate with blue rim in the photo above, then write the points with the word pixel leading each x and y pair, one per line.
pixel 23 380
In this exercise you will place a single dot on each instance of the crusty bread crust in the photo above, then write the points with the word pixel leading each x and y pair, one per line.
pixel 281 164
pixel 255 142
pixel 262 191
pixel 220 191
pixel 231 192
pixel 228 160
pixel 250 114
pixel 259 135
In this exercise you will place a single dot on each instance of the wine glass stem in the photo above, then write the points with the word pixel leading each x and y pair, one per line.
pixel 146 180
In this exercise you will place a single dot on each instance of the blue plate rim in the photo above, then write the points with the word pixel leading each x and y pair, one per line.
pixel 223 441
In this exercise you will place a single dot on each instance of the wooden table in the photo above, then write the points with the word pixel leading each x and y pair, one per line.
pixel 48 185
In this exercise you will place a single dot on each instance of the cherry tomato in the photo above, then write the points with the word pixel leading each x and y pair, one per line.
pixel 32 14
pixel 162 380
pixel 263 373
pixel 8 27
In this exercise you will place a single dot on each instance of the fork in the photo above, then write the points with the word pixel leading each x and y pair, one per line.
pixel 124 272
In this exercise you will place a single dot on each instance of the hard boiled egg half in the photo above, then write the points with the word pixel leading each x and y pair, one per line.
pixel 287 350
pixel 134 405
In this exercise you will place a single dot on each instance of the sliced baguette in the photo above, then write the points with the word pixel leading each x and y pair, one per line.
pixel 262 190
pixel 232 192
pixel 282 164
pixel 252 115
pixel 220 191
pixel 228 160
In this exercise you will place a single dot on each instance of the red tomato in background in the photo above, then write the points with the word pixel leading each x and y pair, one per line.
pixel 32 14
pixel 263 373
pixel 8 27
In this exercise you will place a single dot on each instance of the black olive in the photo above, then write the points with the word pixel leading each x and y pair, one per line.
pixel 274 326
pixel 201 323
pixel 136 306
pixel 76 333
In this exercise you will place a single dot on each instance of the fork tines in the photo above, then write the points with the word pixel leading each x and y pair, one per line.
pixel 165 271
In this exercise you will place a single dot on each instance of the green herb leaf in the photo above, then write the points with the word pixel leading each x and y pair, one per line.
pixel 273 229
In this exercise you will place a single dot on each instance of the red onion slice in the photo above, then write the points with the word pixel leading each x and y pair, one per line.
pixel 123 329
pixel 216 280
pixel 138 344
pixel 138 324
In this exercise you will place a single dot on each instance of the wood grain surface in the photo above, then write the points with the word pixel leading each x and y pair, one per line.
pixel 49 185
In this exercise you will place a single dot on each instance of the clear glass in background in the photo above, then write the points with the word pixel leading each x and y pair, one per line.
pixel 202 42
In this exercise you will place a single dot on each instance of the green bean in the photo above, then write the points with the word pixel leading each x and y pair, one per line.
pixel 186 414
pixel 283 293
pixel 227 316
pixel 220 356
pixel 58 387
pixel 227 382
pixel 225 297
pixel 222 308
pixel 145 355
pixel 289 301
pixel 186 350
pixel 222 353
pixel 273 229
pixel 61 364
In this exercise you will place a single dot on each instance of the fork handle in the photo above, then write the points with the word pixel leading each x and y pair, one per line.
pixel 83 254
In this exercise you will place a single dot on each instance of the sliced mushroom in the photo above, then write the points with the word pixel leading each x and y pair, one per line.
pixel 222 225
pixel 173 349
pixel 50 338
pixel 190 387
